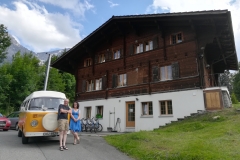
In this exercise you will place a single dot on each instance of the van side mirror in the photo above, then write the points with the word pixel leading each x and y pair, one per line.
pixel 22 109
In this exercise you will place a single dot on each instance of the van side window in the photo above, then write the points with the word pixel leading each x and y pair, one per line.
pixel 26 105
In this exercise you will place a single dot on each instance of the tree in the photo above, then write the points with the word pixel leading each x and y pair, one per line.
pixel 236 83
pixel 25 72
pixel 70 84
pixel 68 81
pixel 226 79
pixel 5 81
pixel 5 42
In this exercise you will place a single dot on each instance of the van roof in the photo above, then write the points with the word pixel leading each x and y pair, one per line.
pixel 54 94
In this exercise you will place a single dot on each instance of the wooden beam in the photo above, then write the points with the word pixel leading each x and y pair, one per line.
pixel 218 41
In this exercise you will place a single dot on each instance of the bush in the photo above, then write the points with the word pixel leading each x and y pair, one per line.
pixel 234 99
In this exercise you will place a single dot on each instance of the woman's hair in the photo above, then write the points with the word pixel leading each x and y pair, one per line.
pixel 77 105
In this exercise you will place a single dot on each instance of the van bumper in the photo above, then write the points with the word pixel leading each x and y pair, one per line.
pixel 40 134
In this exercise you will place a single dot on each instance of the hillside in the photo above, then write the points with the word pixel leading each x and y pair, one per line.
pixel 202 137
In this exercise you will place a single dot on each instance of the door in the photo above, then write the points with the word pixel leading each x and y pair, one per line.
pixel 213 99
pixel 130 114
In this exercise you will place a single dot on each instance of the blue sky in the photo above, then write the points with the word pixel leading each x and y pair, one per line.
pixel 46 25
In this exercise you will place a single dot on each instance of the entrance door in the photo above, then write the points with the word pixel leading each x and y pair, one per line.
pixel 130 114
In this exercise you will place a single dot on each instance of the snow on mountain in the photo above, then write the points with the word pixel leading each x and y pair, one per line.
pixel 16 46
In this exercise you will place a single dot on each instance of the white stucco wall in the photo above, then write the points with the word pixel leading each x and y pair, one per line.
pixel 183 102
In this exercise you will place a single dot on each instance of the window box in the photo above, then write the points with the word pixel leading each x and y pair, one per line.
pixel 99 116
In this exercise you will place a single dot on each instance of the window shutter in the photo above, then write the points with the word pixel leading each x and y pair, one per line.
pixel 83 85
pixel 114 81
pixel 104 82
pixel 155 42
pixel 106 56
pixel 121 53
pixel 175 70
pixel 109 55
pixel 155 73
pixel 131 50
pixel 96 59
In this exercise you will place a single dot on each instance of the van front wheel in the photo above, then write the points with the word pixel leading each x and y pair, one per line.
pixel 24 139
pixel 19 133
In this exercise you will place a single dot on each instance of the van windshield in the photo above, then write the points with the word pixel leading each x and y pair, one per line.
pixel 45 102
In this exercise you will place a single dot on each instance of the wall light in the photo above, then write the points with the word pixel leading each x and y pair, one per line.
pixel 136 99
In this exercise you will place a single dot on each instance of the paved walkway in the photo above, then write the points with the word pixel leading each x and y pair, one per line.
pixel 103 133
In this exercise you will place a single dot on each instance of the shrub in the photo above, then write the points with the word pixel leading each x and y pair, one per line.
pixel 234 99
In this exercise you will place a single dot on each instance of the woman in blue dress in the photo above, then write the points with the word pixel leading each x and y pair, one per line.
pixel 75 124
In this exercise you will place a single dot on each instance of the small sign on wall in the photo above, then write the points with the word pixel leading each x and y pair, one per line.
pixel 130 110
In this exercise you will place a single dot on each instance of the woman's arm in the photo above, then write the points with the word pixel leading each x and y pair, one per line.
pixel 79 116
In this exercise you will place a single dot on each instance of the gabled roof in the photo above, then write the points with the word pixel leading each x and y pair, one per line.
pixel 120 25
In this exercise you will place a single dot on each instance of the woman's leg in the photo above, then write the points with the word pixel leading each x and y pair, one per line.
pixel 75 138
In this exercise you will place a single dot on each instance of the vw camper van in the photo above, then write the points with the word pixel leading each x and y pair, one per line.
pixel 38 114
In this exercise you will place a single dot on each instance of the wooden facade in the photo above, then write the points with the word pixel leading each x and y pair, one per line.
pixel 176 52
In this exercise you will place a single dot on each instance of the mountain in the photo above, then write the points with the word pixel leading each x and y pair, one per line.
pixel 14 48
pixel 42 56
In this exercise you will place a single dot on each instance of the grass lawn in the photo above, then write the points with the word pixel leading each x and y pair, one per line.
pixel 194 138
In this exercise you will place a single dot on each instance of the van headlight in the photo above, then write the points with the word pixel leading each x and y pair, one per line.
pixel 34 123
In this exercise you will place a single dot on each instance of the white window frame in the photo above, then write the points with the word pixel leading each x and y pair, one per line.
pixel 122 80
pixel 146 108
pixel 139 48
pixel 116 54
pixel 101 58
pixel 98 84
pixel 166 73
pixel 149 46
pixel 90 85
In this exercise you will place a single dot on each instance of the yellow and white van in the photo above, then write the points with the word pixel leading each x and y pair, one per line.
pixel 38 114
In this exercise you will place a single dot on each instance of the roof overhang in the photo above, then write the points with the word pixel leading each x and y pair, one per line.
pixel 122 25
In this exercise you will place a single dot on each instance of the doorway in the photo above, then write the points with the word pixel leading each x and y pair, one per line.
pixel 130 114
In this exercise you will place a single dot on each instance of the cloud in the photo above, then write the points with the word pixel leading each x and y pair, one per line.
pixel 40 30
pixel 112 4
pixel 200 5
pixel 75 6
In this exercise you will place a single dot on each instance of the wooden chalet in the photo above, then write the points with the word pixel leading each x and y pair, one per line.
pixel 149 70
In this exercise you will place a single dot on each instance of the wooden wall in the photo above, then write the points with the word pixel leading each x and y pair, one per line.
pixel 139 66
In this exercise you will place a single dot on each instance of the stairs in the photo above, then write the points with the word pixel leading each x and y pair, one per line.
pixel 199 112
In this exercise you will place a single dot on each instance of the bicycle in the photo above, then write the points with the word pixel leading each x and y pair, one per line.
pixel 97 125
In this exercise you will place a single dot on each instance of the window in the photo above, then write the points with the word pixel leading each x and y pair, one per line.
pixel 139 48
pixel 90 85
pixel 177 38
pixel 147 108
pixel 98 84
pixel 116 54
pixel 166 73
pixel 166 107
pixel 149 46
pixel 122 80
pixel 99 111
pixel 101 58
pixel 88 62
pixel 48 103
pixel 88 112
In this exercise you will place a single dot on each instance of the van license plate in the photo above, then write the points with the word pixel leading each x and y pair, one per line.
pixel 50 134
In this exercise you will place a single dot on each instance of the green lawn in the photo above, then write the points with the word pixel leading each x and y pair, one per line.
pixel 195 138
